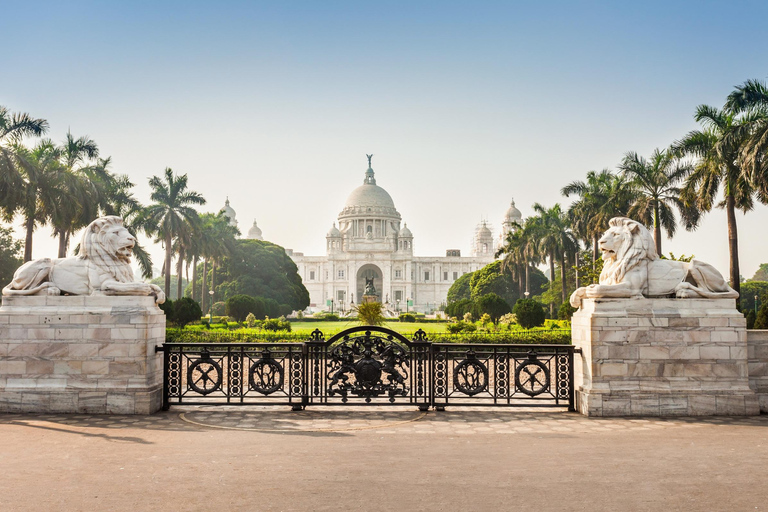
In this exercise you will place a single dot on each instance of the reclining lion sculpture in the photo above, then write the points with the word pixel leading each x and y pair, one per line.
pixel 632 269
pixel 103 267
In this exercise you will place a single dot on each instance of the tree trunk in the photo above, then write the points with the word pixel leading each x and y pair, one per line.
pixel 204 291
pixel 179 275
pixel 576 258
pixel 167 267
pixel 595 248
pixel 527 281
pixel 562 277
pixel 551 269
pixel 30 225
pixel 657 228
pixel 194 277
pixel 733 243
pixel 213 282
pixel 520 281
pixel 63 239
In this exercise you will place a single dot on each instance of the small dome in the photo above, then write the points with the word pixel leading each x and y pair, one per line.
pixel 405 232
pixel 484 232
pixel 254 233
pixel 334 231
pixel 513 214
pixel 229 212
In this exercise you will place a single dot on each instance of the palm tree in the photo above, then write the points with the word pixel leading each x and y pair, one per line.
pixel 750 100
pixel 171 213
pixel 556 240
pixel 217 240
pixel 655 182
pixel 86 194
pixel 44 180
pixel 121 202
pixel 13 128
pixel 517 255
pixel 717 149
pixel 602 196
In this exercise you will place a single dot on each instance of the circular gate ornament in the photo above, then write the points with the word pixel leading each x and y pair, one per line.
pixel 266 376
pixel 532 377
pixel 470 377
pixel 199 376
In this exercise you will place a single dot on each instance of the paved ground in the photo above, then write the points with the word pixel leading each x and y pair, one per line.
pixel 226 458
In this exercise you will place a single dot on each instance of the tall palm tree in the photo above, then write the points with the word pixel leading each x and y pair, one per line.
pixel 717 149
pixel 556 240
pixel 86 195
pixel 750 100
pixel 170 213
pixel 121 202
pixel 217 241
pixel 655 181
pixel 520 252
pixel 44 183
pixel 13 128
pixel 602 196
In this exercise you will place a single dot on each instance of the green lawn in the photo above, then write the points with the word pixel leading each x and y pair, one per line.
pixel 331 328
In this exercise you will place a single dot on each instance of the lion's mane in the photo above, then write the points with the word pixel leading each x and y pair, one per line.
pixel 636 246
pixel 95 247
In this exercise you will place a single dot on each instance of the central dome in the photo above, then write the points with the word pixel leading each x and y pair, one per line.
pixel 369 195
pixel 369 198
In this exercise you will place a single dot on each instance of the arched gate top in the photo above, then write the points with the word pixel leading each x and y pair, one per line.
pixel 419 337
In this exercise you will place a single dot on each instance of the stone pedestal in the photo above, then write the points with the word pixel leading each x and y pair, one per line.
pixel 661 357
pixel 370 298
pixel 78 354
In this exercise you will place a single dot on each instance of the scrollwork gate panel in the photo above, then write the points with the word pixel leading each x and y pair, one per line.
pixel 368 365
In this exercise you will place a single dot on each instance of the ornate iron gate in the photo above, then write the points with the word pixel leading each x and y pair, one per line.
pixel 368 365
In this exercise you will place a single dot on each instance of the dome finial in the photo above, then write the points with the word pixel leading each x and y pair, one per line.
pixel 369 179
pixel 226 201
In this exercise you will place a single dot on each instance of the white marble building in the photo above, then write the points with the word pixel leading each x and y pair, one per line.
pixel 370 241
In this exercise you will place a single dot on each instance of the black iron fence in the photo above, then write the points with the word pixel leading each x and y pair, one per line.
pixel 368 365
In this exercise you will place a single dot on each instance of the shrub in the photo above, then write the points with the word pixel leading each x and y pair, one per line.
pixel 276 324
pixel 493 305
pixel 455 328
pixel 508 319
pixel 219 309
pixel 169 311
pixel 370 313
pixel 460 326
pixel 186 310
pixel 250 320
pixel 238 306
pixel 761 321
pixel 566 311
pixel 407 317
pixel 467 317
pixel 529 313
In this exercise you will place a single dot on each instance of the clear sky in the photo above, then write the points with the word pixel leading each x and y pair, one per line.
pixel 465 105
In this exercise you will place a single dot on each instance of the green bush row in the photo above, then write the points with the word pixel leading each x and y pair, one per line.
pixel 552 336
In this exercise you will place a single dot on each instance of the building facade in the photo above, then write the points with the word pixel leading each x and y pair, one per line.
pixel 370 241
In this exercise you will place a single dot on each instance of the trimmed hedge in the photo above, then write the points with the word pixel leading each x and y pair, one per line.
pixel 549 336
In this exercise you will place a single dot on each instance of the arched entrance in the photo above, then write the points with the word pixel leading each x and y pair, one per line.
pixel 369 271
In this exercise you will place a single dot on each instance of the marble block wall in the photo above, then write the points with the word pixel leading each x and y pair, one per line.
pixel 757 356
pixel 661 357
pixel 84 354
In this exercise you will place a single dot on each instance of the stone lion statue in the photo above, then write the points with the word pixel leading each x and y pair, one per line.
pixel 103 267
pixel 632 269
